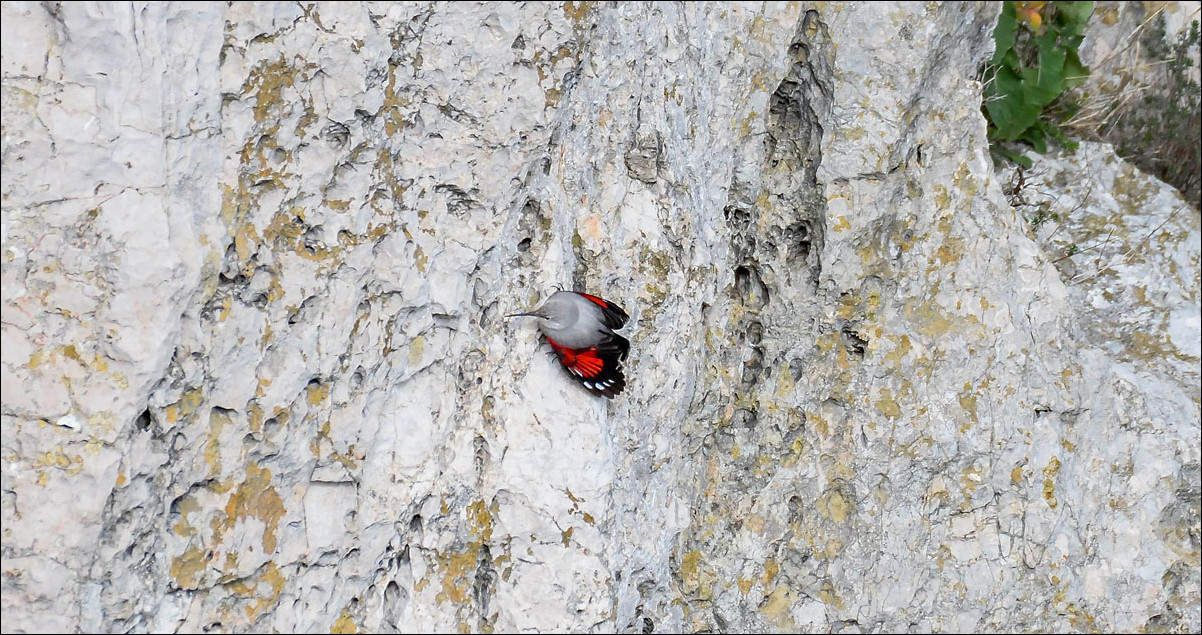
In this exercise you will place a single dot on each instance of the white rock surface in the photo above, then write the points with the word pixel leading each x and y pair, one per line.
pixel 256 378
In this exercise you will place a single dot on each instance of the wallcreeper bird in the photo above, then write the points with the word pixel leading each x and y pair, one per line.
pixel 580 328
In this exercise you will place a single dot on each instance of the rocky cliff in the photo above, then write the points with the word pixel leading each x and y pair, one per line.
pixel 256 375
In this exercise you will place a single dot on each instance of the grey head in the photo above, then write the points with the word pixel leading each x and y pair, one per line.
pixel 560 319
pixel 560 311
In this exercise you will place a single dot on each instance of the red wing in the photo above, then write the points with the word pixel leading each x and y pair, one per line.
pixel 599 371
pixel 588 364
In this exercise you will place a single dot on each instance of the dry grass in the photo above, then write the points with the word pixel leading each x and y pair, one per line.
pixel 1146 106
pixel 1098 104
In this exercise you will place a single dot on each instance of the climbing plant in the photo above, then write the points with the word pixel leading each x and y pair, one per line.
pixel 1034 63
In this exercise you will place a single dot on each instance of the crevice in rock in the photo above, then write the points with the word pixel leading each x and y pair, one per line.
pixel 481 454
pixel 853 342
pixel 395 600
pixel 778 230
pixel 749 288
pixel 144 420
pixel 794 153
pixel 484 587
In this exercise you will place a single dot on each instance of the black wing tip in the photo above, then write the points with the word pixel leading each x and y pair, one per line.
pixel 611 381
pixel 615 344
pixel 620 315
pixel 615 317
pixel 609 387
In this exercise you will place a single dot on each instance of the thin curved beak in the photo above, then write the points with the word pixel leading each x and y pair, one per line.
pixel 532 314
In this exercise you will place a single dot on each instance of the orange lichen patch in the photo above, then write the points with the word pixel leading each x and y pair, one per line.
pixel 69 352
pixel 458 568
pixel 933 321
pixel 187 505
pixel 1152 347
pixel 744 585
pixel 776 609
pixel 847 306
pixel 316 393
pixel 58 458
pixel 1049 485
pixel 252 596
pixel 968 403
pixel 265 588
pixel 836 506
pixel 970 480
pixel 830 596
pixel 942 556
pixel 771 569
pixel 420 259
pixel 256 498
pixel 964 181
pixel 949 253
pixel 820 425
pixel 887 405
pixel 267 81
pixel 416 350
pixel 458 572
pixel 254 413
pixel 187 406
pixel 394 104
pixel 1081 620
pixel 832 343
pixel 942 200
pixel 218 420
pixel 188 568
pixel 895 356
pixel 576 12
pixel 344 623
pixel 690 571
pixel 480 518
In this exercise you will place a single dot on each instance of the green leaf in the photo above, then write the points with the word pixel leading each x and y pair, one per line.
pixel 1010 113
pixel 1044 83
pixel 1036 136
pixel 1056 133
pixel 999 149
pixel 1072 17
pixel 1003 35
pixel 1075 73
pixel 1010 60
pixel 1018 91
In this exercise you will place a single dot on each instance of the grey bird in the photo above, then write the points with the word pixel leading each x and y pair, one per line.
pixel 580 329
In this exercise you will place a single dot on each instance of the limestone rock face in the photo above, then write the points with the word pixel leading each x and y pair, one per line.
pixel 256 375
